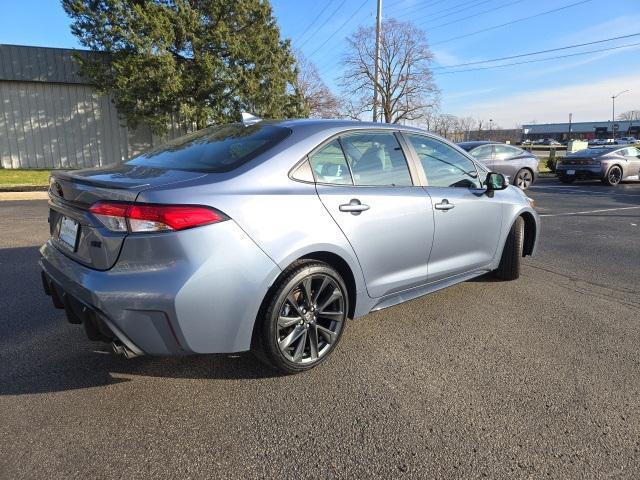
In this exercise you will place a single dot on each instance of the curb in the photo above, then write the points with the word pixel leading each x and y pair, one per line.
pixel 23 196
pixel 23 188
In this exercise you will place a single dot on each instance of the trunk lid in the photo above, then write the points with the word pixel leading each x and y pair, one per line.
pixel 73 229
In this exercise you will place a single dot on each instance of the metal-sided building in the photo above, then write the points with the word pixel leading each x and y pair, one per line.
pixel 52 117
pixel 582 130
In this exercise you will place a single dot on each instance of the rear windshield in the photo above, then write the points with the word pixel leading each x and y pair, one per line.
pixel 592 152
pixel 216 149
pixel 469 146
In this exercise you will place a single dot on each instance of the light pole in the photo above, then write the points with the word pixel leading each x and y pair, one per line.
pixel 570 119
pixel 377 60
pixel 490 127
pixel 613 112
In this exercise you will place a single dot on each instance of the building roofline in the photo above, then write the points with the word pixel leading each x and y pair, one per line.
pixel 49 48
pixel 24 63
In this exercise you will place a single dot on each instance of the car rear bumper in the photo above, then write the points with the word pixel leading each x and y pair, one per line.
pixel 194 291
pixel 580 171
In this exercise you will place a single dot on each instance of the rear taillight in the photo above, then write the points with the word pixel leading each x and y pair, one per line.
pixel 145 217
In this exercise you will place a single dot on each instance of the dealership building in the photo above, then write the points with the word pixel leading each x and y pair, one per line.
pixel 52 117
pixel 581 130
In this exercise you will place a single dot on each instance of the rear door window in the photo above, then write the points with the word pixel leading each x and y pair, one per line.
pixel 633 152
pixel 216 149
pixel 483 153
pixel 330 166
pixel 376 158
pixel 504 152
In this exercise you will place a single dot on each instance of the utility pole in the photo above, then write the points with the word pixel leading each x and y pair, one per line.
pixel 377 60
pixel 570 118
pixel 613 112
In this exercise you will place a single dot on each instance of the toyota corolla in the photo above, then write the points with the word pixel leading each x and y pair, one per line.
pixel 269 235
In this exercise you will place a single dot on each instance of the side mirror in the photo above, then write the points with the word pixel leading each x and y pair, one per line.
pixel 495 181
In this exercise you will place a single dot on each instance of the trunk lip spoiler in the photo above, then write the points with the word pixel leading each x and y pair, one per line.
pixel 70 177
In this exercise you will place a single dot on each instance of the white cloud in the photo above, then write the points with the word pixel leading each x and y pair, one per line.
pixel 584 60
pixel 587 101
pixel 468 93
pixel 442 57
pixel 622 25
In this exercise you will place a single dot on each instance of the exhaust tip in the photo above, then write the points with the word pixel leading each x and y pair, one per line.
pixel 121 349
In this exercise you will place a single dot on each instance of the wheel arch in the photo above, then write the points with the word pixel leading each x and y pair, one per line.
pixel 333 260
pixel 617 164
pixel 605 177
pixel 342 267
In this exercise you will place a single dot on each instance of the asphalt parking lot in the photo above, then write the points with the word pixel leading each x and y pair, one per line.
pixel 527 379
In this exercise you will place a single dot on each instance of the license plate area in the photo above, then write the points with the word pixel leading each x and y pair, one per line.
pixel 571 172
pixel 68 233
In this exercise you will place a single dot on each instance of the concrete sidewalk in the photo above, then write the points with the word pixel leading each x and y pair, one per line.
pixel 23 196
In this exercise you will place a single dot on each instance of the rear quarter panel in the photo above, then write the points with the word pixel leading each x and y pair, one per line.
pixel 285 218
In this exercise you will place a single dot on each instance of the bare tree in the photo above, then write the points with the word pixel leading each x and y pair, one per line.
pixel 319 99
pixel 406 86
pixel 446 125
pixel 630 115
pixel 351 110
pixel 463 128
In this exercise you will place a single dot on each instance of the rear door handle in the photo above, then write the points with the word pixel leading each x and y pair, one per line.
pixel 444 205
pixel 354 207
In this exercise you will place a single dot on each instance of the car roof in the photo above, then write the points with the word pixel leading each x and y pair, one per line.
pixel 316 124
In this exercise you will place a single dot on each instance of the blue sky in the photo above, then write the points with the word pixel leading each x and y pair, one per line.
pixel 542 92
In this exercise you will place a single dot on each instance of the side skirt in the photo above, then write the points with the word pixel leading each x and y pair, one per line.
pixel 407 295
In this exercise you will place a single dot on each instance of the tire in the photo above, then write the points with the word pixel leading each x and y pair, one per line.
pixel 291 317
pixel 613 177
pixel 509 268
pixel 567 180
pixel 524 178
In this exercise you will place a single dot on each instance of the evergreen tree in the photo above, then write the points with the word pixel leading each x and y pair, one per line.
pixel 201 61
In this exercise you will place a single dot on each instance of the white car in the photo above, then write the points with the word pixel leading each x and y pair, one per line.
pixel 626 141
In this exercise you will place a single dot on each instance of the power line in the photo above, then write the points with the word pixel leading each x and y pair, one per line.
pixel 539 60
pixel 414 8
pixel 315 19
pixel 511 57
pixel 395 3
pixel 512 22
pixel 475 14
pixel 324 23
pixel 435 15
pixel 329 37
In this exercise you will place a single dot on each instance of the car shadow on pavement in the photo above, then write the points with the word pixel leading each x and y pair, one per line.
pixel 488 277
pixel 41 352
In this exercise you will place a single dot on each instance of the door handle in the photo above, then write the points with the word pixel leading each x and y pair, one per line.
pixel 354 207
pixel 444 205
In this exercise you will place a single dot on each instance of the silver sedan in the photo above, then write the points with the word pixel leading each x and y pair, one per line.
pixel 269 235
pixel 518 165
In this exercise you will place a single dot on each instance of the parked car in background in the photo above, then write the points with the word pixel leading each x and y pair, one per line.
pixel 610 164
pixel 601 141
pixel 520 166
pixel 268 235
pixel 547 141
pixel 626 141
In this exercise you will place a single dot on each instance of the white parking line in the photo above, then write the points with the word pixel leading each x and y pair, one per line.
pixel 588 211
pixel 566 190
